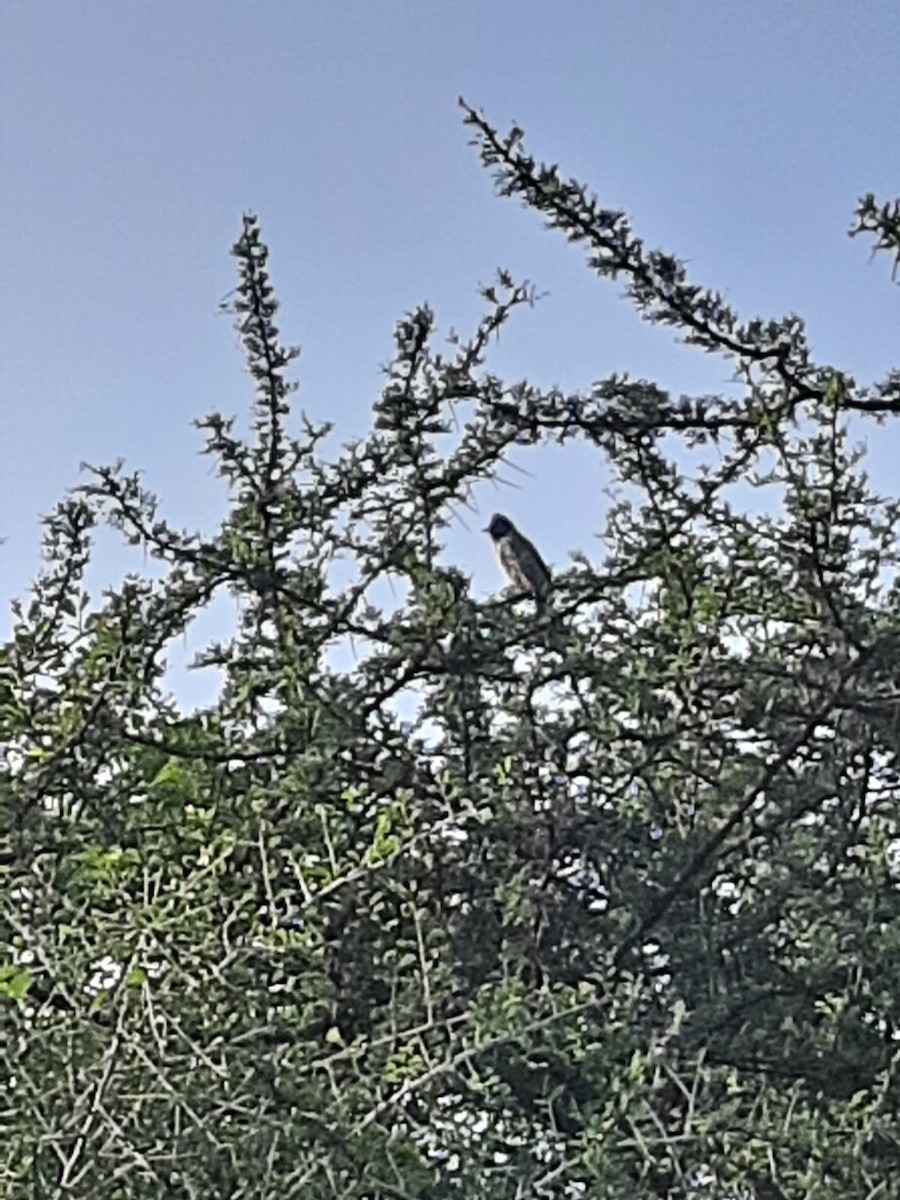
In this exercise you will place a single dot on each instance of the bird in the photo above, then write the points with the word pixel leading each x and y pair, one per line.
pixel 519 560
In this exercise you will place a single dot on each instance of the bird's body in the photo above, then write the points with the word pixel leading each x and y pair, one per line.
pixel 519 560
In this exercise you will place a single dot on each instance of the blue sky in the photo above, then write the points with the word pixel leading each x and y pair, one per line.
pixel 133 136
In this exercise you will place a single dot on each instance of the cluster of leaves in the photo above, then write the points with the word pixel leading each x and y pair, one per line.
pixel 616 913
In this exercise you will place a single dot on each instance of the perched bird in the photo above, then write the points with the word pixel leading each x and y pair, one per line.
pixel 520 562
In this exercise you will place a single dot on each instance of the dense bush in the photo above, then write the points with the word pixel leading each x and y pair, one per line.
pixel 600 902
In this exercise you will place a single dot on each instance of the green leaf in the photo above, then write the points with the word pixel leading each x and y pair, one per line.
pixel 14 982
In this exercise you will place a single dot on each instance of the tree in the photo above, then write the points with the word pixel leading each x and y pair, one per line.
pixel 615 913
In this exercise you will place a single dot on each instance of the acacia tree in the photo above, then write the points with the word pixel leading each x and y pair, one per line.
pixel 614 914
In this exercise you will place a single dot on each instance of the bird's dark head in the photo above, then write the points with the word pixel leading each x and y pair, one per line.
pixel 500 526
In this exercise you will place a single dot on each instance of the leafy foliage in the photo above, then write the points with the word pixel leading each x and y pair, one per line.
pixel 614 913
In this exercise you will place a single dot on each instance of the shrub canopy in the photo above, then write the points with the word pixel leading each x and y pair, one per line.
pixel 600 903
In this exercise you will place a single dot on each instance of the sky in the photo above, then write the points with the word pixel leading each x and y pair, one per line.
pixel 133 136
